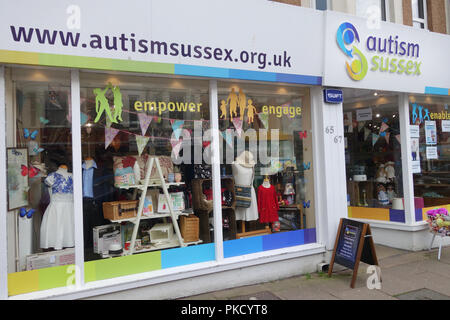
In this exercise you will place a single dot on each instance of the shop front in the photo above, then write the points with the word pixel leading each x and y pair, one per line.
pixel 396 99
pixel 136 159
pixel 158 158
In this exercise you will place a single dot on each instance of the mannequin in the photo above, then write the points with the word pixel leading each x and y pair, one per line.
pixel 57 228
pixel 267 202
pixel 243 173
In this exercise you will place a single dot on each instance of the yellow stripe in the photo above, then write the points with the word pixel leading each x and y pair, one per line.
pixel 369 213
pixel 23 282
pixel 19 57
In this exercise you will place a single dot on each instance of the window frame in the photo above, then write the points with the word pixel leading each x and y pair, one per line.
pixel 423 21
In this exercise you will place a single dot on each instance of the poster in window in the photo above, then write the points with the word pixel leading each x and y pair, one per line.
pixel 415 155
pixel 17 176
pixel 430 132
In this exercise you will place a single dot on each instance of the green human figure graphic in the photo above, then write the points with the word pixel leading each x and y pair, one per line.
pixel 242 103
pixel 118 104
pixel 102 105
pixel 251 111
pixel 232 101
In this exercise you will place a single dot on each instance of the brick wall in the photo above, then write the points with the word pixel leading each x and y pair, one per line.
pixel 436 16
pixel 407 12
pixel 293 2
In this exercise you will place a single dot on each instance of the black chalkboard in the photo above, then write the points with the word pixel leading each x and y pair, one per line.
pixel 353 244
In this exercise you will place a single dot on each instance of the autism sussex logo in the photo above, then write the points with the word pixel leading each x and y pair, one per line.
pixel 346 36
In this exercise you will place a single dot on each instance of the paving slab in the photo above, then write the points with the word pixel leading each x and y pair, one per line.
pixel 423 294
pixel 264 295
pixel 363 294
pixel 305 294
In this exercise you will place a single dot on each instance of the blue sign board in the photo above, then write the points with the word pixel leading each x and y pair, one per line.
pixel 333 96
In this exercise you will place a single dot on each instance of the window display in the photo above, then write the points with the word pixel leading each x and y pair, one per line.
pixel 430 143
pixel 144 140
pixel 373 153
pixel 40 184
pixel 267 152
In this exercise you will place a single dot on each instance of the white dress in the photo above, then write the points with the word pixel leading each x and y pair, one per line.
pixel 57 228
pixel 243 176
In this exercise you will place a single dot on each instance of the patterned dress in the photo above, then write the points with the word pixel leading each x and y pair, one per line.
pixel 57 228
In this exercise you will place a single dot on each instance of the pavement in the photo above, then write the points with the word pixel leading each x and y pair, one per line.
pixel 405 276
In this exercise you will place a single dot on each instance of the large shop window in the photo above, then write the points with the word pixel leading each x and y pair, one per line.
pixel 143 149
pixel 373 155
pixel 267 167
pixel 430 144
pixel 40 218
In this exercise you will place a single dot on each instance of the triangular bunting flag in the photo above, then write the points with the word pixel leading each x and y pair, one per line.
pixel 383 127
pixel 141 142
pixel 228 136
pixel 375 138
pixel 110 134
pixel 177 125
pixel 398 138
pixel 83 118
pixel 176 147
pixel 238 126
pixel 264 117
pixel 144 122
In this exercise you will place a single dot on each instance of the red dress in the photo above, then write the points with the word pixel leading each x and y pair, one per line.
pixel 267 204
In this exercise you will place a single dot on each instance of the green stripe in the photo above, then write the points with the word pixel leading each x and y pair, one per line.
pixel 124 266
pixel 59 60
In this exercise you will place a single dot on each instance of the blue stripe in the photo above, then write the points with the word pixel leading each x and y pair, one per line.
pixel 213 72
pixel 283 240
pixel 186 70
pixel 435 90
pixel 233 248
pixel 300 79
pixel 419 215
pixel 188 255
pixel 396 215
pixel 253 75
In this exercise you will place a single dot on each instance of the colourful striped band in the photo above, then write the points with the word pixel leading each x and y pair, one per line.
pixel 62 276
pixel 437 91
pixel 67 61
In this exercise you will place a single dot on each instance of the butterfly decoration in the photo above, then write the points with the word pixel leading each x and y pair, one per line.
pixel 306 166
pixel 43 120
pixel 27 134
pixel 306 204
pixel 29 171
pixel 23 212
pixel 36 150
pixel 303 135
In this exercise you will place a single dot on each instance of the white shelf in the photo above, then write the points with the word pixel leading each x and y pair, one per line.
pixel 141 186
pixel 173 243
pixel 154 216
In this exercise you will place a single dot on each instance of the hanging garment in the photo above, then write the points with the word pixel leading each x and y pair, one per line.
pixel 88 178
pixel 57 228
pixel 244 176
pixel 267 204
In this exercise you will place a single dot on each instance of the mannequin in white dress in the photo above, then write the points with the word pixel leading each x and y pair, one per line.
pixel 58 222
pixel 243 173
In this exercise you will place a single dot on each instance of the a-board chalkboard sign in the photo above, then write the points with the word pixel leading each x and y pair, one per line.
pixel 353 244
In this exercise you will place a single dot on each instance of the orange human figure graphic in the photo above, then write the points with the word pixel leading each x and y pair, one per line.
pixel 232 102
pixel 223 109
pixel 251 110
pixel 242 103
